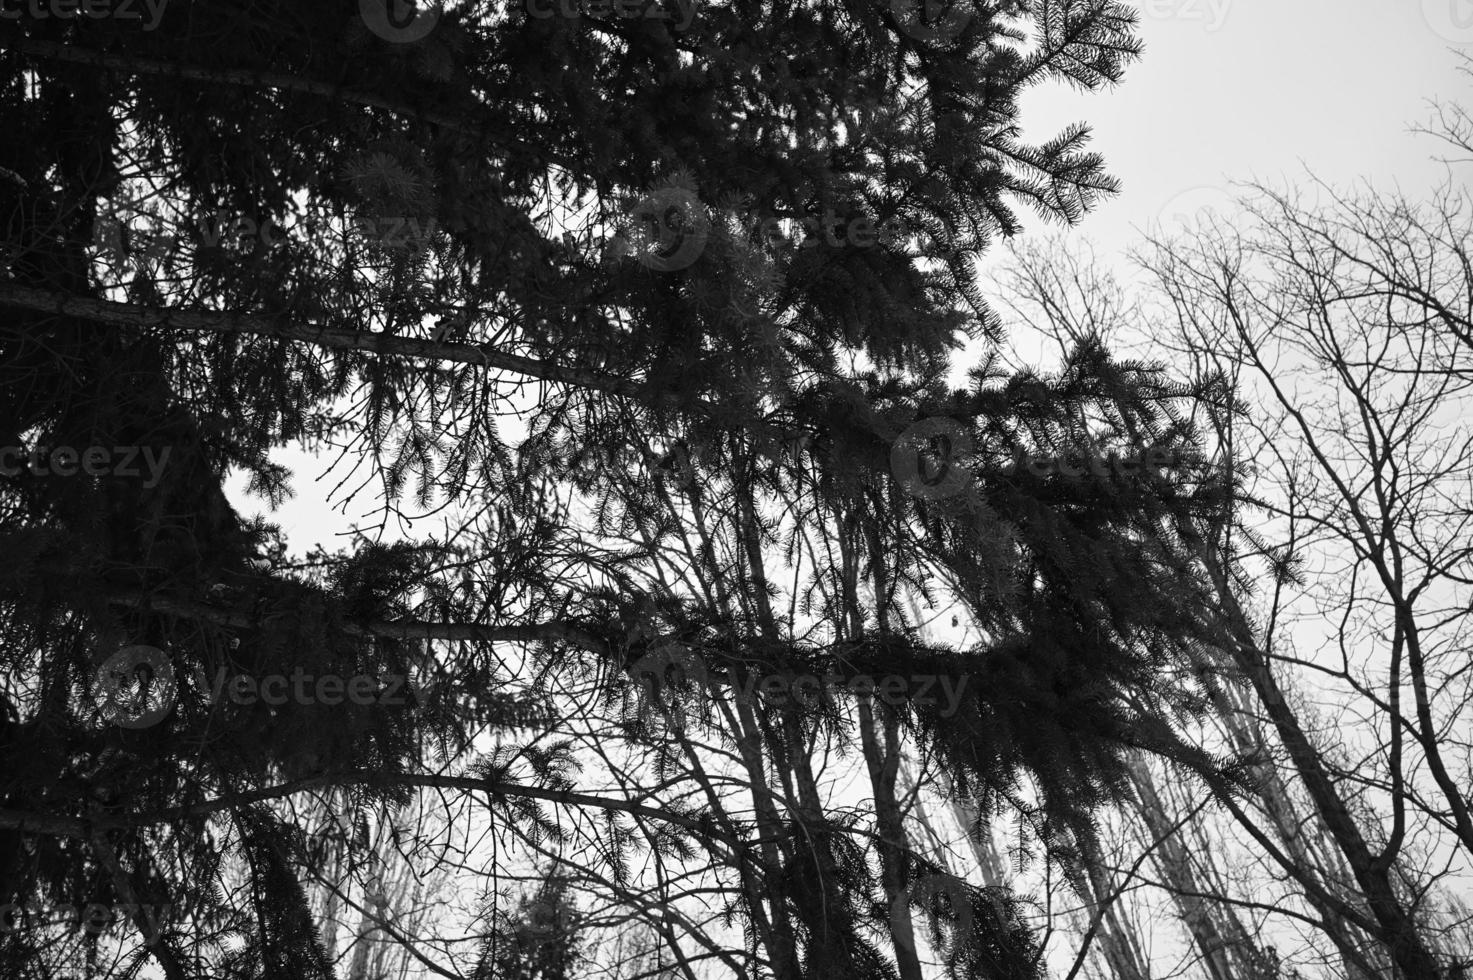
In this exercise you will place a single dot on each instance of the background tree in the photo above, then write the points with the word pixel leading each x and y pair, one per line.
pixel 1336 334
pixel 539 941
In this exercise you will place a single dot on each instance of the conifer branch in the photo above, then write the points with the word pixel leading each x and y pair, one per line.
pixel 433 781
pixel 402 629
pixel 277 81
pixel 212 321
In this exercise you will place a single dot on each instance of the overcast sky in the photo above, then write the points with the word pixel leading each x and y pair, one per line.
pixel 1227 89
pixel 1237 89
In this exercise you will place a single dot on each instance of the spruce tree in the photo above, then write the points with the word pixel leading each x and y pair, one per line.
pixel 727 266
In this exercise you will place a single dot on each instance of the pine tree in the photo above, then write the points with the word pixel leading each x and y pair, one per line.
pixel 267 223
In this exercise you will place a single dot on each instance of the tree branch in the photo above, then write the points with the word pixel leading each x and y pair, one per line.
pixel 213 321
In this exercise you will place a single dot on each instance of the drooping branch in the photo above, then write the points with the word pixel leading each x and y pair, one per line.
pixel 387 345
pixel 87 829
pixel 399 629
pixel 272 80
pixel 432 781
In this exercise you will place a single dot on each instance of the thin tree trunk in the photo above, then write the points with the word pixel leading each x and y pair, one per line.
pixel 1228 953
pixel 1362 957
pixel 1397 928
pixel 1115 938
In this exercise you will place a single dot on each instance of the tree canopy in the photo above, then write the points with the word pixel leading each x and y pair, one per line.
pixel 663 323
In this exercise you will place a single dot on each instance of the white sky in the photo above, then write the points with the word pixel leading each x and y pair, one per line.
pixel 1226 89
pixel 1237 89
